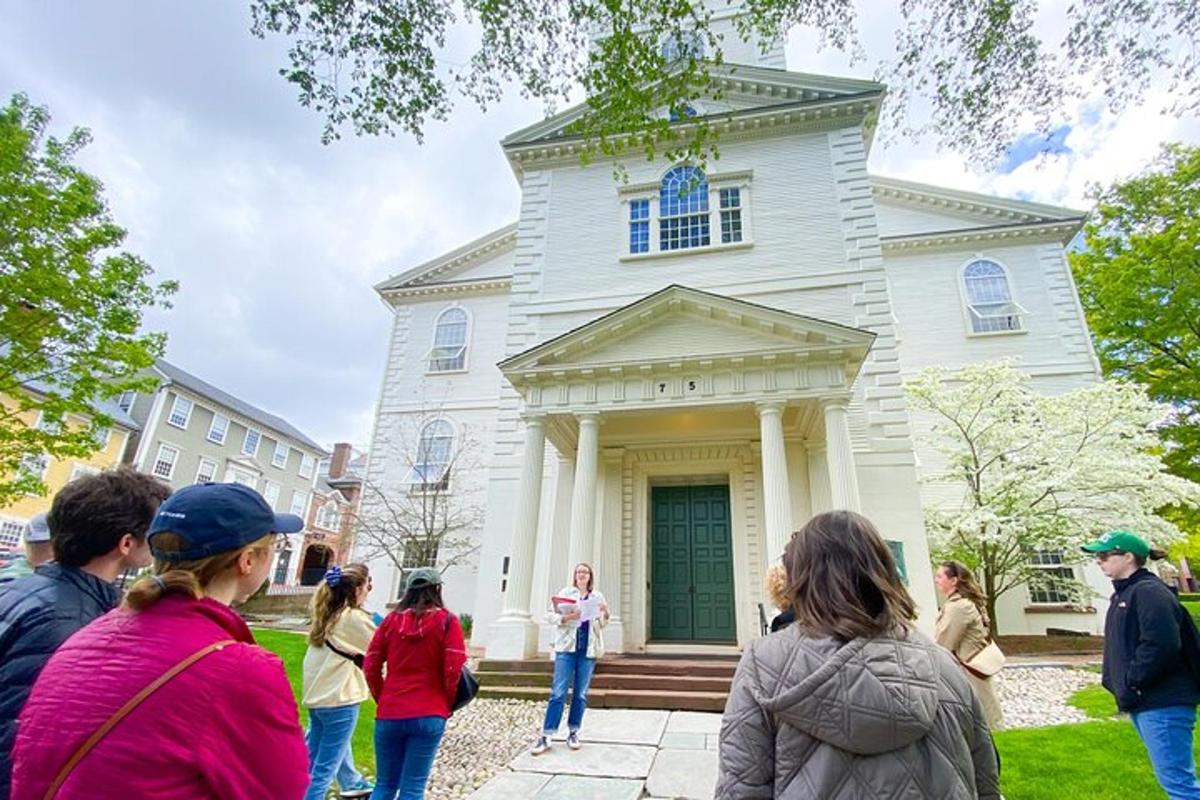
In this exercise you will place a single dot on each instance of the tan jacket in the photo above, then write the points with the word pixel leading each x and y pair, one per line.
pixel 960 630
pixel 331 680
pixel 885 717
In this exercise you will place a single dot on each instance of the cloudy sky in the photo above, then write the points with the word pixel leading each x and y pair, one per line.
pixel 221 179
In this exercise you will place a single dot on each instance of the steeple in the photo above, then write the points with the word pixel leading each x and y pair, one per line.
pixel 736 50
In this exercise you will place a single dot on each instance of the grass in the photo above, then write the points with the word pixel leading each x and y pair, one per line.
pixel 1193 608
pixel 1095 701
pixel 290 647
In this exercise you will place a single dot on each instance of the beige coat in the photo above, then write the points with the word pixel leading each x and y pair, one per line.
pixel 564 632
pixel 960 630
pixel 331 680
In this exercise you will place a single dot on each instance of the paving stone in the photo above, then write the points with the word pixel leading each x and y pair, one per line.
pixel 683 741
pixel 597 760
pixel 694 722
pixel 574 787
pixel 683 774
pixel 511 786
pixel 620 726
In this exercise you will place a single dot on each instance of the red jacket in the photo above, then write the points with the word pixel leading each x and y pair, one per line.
pixel 424 654
pixel 224 728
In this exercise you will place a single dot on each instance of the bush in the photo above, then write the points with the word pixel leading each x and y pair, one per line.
pixel 467 623
pixel 1189 597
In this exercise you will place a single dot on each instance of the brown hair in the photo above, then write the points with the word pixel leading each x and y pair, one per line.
pixel 967 587
pixel 844 581
pixel 777 587
pixel 184 578
pixel 422 598
pixel 328 602
pixel 90 514
pixel 591 574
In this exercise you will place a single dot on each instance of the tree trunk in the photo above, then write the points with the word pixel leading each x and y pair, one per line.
pixel 989 591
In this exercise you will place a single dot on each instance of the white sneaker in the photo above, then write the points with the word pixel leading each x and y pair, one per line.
pixel 541 746
pixel 573 740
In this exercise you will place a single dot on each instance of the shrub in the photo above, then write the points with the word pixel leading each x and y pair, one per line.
pixel 467 623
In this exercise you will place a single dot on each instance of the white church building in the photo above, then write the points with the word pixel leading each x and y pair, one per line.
pixel 666 377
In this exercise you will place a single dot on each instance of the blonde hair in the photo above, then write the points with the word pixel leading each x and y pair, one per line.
pixel 184 578
pixel 329 602
pixel 777 587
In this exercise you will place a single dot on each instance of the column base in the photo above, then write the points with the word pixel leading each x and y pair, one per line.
pixel 614 636
pixel 512 639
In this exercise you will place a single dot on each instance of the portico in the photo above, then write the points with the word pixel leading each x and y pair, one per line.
pixel 701 428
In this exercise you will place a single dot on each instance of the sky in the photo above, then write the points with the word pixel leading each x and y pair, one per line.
pixel 220 178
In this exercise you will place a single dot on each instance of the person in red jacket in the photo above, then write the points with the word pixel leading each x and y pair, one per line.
pixel 168 696
pixel 422 645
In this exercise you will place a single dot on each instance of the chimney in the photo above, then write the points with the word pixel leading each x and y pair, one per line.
pixel 342 453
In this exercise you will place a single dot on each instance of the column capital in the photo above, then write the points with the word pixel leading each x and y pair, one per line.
pixel 834 401
pixel 768 407
pixel 612 453
pixel 533 418
pixel 589 417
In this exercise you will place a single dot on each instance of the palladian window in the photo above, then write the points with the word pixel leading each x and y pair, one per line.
pixel 683 219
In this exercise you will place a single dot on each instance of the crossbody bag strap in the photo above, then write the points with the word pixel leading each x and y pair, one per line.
pixel 355 658
pixel 124 711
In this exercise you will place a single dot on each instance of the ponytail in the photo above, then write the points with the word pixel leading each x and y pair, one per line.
pixel 183 578
pixel 337 591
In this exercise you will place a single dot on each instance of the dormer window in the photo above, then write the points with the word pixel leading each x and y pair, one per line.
pixel 687 209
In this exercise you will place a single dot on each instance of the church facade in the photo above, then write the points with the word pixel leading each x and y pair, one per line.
pixel 665 377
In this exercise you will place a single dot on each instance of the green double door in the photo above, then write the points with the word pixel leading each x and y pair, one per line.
pixel 691 565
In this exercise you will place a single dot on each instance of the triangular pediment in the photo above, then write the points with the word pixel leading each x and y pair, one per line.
pixel 743 88
pixel 489 256
pixel 679 324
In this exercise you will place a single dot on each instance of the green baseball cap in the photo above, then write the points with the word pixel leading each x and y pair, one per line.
pixel 422 576
pixel 1124 541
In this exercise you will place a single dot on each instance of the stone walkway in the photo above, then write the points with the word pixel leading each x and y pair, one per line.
pixel 626 755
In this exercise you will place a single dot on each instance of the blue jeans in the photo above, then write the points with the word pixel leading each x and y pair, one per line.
pixel 1167 734
pixel 328 740
pixel 404 753
pixel 572 670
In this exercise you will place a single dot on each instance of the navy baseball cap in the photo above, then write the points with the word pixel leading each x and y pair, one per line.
pixel 216 518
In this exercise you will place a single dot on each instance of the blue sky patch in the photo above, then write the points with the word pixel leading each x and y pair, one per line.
pixel 1031 145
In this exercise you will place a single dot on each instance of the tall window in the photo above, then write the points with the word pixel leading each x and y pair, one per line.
pixel 1057 581
pixel 270 493
pixel 683 209
pixel 449 350
pixel 431 468
pixel 280 456
pixel 299 505
pixel 250 443
pixel 328 517
pixel 206 471
pixel 307 464
pixel 989 299
pixel 181 412
pixel 731 215
pixel 281 565
pixel 218 428
pixel 164 462
pixel 639 226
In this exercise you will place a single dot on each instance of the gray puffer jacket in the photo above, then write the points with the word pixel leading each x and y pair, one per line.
pixel 884 717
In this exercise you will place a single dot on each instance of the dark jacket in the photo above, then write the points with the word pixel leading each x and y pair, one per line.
pixel 37 614
pixel 1151 648
pixel 783 619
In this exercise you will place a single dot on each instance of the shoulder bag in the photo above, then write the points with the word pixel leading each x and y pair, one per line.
pixel 124 711
pixel 468 684
pixel 357 658
pixel 986 663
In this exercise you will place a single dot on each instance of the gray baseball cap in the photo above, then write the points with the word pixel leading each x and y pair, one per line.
pixel 37 529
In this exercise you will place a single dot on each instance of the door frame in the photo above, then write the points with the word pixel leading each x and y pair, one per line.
pixel 732 463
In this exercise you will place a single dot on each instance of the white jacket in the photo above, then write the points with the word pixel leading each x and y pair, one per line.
pixel 564 634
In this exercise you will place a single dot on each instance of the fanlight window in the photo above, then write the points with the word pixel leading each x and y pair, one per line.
pixel 449 350
pixel 989 298
pixel 683 209
pixel 431 468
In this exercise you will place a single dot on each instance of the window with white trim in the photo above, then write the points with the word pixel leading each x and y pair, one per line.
pixel 990 304
pixel 218 429
pixel 1058 578
pixel 431 468
pixel 683 219
pixel 11 532
pixel 80 470
pixel 323 466
pixel 280 456
pixel 270 493
pixel 419 553
pixel 328 517
pixel 34 465
pixel 639 226
pixel 126 401
pixel 250 442
pixel 307 465
pixel 449 351
pixel 100 437
pixel 730 201
pixel 164 462
pixel 299 505
pixel 206 472
pixel 687 209
pixel 247 479
pixel 181 412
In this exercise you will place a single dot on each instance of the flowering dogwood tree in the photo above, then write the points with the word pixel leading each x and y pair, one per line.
pixel 1034 473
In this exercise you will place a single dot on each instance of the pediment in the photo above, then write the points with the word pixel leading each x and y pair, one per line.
pixel 489 256
pixel 683 325
pixel 906 208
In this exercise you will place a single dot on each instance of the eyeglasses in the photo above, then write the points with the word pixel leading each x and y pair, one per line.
pixel 1105 555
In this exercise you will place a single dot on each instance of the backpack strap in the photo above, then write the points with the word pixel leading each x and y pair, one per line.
pixel 124 711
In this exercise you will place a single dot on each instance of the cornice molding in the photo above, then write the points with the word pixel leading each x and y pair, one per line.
pixel 1061 232
pixel 478 286
pixel 469 253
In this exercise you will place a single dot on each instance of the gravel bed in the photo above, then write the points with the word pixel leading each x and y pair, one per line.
pixel 480 740
pixel 1033 697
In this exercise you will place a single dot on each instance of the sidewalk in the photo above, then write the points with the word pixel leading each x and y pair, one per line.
pixel 626 755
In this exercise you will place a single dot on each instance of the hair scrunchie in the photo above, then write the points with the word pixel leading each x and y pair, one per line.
pixel 333 575
pixel 159 582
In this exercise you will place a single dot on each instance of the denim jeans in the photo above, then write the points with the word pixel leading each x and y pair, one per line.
pixel 328 740
pixel 572 670
pixel 1167 734
pixel 404 753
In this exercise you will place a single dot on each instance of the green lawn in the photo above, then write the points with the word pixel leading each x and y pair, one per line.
pixel 1095 701
pixel 290 647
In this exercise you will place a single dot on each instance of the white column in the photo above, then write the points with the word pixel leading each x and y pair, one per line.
pixel 514 635
pixel 611 533
pixel 776 500
pixel 839 455
pixel 583 494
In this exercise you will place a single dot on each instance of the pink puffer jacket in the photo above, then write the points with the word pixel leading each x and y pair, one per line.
pixel 225 728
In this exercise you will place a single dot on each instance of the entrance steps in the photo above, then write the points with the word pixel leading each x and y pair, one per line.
pixel 692 683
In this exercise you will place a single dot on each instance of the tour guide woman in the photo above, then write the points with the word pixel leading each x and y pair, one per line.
pixel 577 645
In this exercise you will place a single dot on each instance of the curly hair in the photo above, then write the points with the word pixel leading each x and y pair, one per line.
pixel 777 587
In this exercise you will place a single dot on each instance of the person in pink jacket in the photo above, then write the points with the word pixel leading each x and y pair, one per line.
pixel 168 696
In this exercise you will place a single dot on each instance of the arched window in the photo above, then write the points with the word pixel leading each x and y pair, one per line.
pixel 449 350
pixel 683 209
pixel 431 467
pixel 989 299
pixel 328 517
pixel 675 47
